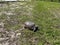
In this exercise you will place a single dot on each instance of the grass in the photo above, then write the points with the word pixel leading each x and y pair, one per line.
pixel 46 16
pixel 48 22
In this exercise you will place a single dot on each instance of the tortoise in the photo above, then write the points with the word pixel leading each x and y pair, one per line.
pixel 31 26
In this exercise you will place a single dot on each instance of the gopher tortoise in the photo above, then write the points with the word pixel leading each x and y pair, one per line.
pixel 31 26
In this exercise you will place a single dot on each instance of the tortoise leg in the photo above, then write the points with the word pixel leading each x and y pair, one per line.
pixel 25 27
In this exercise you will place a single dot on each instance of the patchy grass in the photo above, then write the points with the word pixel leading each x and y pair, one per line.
pixel 45 14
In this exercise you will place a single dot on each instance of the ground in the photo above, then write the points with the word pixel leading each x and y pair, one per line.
pixel 45 14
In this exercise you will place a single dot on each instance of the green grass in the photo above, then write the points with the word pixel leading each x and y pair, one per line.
pixel 46 16
pixel 47 22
